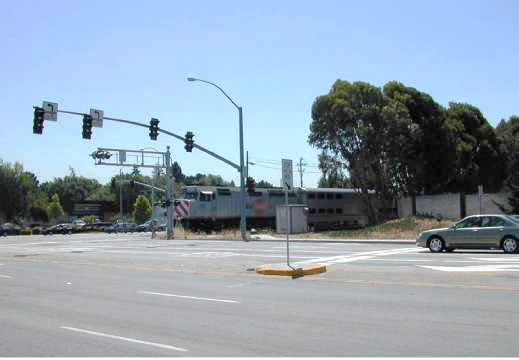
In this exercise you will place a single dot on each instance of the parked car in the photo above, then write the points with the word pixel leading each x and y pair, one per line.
pixel 59 229
pixel 147 226
pixel 9 229
pixel 474 232
pixel 78 223
pixel 121 227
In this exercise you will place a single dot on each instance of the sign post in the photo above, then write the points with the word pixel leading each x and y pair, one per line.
pixel 480 196
pixel 287 179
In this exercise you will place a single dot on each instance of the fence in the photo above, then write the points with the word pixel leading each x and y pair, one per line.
pixel 452 206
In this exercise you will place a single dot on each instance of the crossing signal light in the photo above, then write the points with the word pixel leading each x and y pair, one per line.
pixel 37 127
pixel 154 128
pixel 189 141
pixel 87 126
pixel 101 155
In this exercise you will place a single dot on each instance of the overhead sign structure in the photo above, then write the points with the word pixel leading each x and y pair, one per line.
pixel 122 156
pixel 97 117
pixel 51 111
pixel 287 174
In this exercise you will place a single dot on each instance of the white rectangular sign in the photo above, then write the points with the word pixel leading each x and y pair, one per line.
pixel 97 117
pixel 51 111
pixel 287 175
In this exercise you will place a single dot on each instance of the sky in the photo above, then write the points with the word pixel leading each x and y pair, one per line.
pixel 273 58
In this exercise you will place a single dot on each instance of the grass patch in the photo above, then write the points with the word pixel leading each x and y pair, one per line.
pixel 405 228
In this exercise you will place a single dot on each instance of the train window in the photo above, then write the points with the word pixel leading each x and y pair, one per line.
pixel 191 195
pixel 329 196
pixel 329 211
pixel 312 211
pixel 320 196
pixel 311 195
pixel 321 211
pixel 338 211
pixel 223 191
pixel 206 196
pixel 338 196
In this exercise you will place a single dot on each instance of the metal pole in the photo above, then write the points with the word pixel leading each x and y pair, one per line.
pixel 153 204
pixel 121 192
pixel 243 221
pixel 288 227
pixel 169 233
pixel 247 165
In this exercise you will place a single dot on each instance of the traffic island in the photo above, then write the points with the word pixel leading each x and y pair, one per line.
pixel 287 271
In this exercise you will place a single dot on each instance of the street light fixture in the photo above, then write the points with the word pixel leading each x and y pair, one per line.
pixel 243 221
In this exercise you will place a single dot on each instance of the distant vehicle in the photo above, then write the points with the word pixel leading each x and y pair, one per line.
pixel 147 226
pixel 121 227
pixel 474 232
pixel 59 229
pixel 9 229
pixel 79 223
pixel 163 227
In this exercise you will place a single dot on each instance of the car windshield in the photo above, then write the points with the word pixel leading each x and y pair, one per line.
pixel 513 218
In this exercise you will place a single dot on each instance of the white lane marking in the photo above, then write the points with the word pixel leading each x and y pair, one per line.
pixel 169 347
pixel 360 256
pixel 480 268
pixel 188 297
pixel 408 260
pixel 34 243
pixel 6 277
pixel 503 259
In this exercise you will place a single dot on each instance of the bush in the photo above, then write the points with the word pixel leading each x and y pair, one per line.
pixel 26 232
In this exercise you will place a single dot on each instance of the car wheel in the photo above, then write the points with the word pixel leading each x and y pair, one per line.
pixel 509 245
pixel 436 245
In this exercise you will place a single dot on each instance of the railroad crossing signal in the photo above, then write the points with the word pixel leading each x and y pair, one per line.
pixel 87 126
pixel 189 141
pixel 37 127
pixel 154 128
pixel 251 184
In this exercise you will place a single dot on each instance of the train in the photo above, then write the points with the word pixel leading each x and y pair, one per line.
pixel 218 207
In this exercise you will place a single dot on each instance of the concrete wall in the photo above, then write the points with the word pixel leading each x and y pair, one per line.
pixel 446 205
pixel 487 202
pixel 449 207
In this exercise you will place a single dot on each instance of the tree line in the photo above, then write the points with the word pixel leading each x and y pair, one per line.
pixel 398 141
pixel 24 199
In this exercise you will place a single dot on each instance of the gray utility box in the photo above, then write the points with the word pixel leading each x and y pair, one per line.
pixel 298 219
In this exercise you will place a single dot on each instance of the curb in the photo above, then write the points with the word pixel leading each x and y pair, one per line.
pixel 309 270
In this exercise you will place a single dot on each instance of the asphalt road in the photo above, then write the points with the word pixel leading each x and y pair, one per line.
pixel 127 295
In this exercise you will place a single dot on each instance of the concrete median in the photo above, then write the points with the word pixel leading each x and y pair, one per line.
pixel 286 271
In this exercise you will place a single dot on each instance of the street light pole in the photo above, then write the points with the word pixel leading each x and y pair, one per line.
pixel 243 220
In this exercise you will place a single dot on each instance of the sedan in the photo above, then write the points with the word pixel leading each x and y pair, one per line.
pixel 474 232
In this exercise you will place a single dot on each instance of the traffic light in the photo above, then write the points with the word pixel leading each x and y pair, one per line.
pixel 154 128
pixel 87 126
pixel 189 141
pixel 37 127
pixel 251 184
pixel 101 155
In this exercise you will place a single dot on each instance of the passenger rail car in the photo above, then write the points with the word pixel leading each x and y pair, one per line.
pixel 218 207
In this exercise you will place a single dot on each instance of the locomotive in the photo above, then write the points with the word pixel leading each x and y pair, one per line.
pixel 218 207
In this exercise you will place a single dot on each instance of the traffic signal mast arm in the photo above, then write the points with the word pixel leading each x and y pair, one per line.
pixel 228 162
pixel 143 184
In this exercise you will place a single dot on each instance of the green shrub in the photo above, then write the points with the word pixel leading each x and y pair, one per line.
pixel 26 232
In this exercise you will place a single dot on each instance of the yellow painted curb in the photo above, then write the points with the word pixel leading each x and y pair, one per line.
pixel 309 270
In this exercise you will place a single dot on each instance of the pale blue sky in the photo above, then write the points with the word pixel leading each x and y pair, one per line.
pixel 131 59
